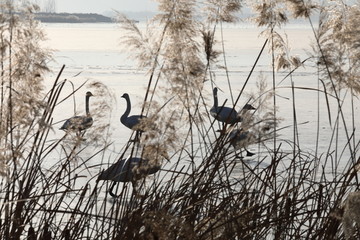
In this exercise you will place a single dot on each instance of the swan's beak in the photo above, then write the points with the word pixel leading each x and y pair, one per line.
pixel 249 107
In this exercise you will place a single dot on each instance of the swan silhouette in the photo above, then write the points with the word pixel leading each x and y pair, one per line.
pixel 128 170
pixel 226 114
pixel 132 121
pixel 80 123
pixel 240 138
pixel 124 170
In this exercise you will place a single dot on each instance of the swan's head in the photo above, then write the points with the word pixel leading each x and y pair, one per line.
pixel 89 94
pixel 215 91
pixel 249 107
pixel 125 95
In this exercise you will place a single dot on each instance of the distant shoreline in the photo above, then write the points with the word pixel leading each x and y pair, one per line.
pixel 73 18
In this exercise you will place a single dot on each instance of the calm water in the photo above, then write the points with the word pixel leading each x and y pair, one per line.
pixel 93 52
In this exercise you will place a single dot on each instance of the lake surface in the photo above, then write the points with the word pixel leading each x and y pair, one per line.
pixel 92 52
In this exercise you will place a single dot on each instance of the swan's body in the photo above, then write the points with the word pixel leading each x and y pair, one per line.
pixel 80 123
pixel 130 169
pixel 77 123
pixel 241 139
pixel 226 114
pixel 133 120
pixel 222 113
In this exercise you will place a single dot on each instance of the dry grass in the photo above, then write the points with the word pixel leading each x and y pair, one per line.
pixel 206 189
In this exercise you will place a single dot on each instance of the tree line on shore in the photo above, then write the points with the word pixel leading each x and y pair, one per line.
pixel 72 17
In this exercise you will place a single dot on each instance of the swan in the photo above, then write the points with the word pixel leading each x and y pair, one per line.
pixel 133 120
pixel 80 123
pixel 128 170
pixel 226 114
pixel 241 139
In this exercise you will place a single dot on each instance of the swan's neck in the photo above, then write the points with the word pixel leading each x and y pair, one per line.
pixel 87 105
pixel 215 100
pixel 128 109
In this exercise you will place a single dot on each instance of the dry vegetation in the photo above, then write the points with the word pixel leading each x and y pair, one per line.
pixel 206 188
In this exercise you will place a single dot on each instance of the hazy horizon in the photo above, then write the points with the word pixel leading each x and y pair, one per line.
pixel 93 6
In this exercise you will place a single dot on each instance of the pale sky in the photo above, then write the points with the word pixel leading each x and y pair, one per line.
pixel 96 6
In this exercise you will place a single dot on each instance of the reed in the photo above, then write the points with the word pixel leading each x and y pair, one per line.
pixel 208 187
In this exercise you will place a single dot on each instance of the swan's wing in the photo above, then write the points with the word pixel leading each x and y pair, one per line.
pixel 86 123
pixel 71 123
pixel 122 170
pixel 117 172
pixel 77 123
pixel 133 120
pixel 224 114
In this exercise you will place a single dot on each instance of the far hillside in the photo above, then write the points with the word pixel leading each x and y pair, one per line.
pixel 73 18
